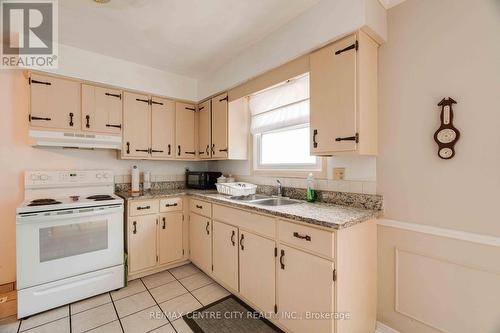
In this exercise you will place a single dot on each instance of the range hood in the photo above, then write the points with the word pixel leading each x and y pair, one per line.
pixel 74 140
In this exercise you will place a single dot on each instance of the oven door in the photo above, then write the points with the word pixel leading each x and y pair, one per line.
pixel 61 244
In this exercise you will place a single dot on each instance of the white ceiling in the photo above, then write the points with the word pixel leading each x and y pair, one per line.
pixel 187 37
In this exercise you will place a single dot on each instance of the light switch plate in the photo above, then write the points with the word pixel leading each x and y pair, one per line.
pixel 338 173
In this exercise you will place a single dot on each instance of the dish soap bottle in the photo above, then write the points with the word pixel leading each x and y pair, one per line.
pixel 311 194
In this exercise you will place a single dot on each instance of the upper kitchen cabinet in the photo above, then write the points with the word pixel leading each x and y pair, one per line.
pixel 101 109
pixel 185 130
pixel 219 127
pixel 204 130
pixel 225 129
pixel 148 127
pixel 162 128
pixel 343 97
pixel 55 103
pixel 136 126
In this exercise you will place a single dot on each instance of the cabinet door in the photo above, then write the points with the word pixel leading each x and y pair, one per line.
pixel 162 127
pixel 257 270
pixel 305 284
pixel 142 242
pixel 204 130
pixel 219 126
pixel 333 97
pixel 101 109
pixel 184 134
pixel 225 254
pixel 136 125
pixel 55 103
pixel 170 237
pixel 200 240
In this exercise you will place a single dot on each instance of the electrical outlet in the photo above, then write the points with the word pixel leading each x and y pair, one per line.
pixel 338 173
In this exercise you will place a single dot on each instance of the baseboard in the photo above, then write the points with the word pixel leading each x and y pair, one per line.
pixel 383 328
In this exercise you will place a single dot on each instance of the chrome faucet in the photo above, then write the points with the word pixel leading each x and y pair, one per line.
pixel 279 187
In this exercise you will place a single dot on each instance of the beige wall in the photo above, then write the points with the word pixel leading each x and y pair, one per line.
pixel 16 156
pixel 428 283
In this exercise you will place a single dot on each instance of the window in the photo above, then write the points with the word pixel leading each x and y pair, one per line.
pixel 280 128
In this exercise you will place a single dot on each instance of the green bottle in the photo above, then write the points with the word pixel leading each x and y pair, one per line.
pixel 311 194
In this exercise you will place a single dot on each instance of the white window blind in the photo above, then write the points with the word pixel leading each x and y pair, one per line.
pixel 282 106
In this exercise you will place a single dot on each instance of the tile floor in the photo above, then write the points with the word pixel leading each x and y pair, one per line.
pixel 154 303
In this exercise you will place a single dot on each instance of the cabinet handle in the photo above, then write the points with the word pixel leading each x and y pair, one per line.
pixel 179 150
pixel 38 118
pixel 221 150
pixel 241 242
pixel 191 109
pixel 199 206
pixel 281 259
pixel 200 108
pixel 224 99
pixel 39 82
pixel 128 147
pixel 117 126
pixel 87 118
pixel 208 147
pixel 202 153
pixel 213 148
pixel 164 223
pixel 350 47
pixel 134 231
pixel 306 237
pixel 71 119
pixel 190 152
pixel 143 150
pixel 114 95
pixel 171 205
pixel 142 100
pixel 349 138
pixel 158 103
pixel 156 151
pixel 143 207
pixel 169 149
pixel 232 238
pixel 315 144
pixel 206 228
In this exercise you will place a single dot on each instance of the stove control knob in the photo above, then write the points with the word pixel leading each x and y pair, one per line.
pixel 44 177
pixel 98 176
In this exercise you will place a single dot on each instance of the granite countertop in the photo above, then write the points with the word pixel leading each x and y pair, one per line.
pixel 321 214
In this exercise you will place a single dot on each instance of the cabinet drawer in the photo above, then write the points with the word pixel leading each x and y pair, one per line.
pixel 170 204
pixel 253 222
pixel 200 207
pixel 143 207
pixel 315 240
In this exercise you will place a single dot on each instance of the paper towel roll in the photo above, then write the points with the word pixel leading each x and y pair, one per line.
pixel 135 178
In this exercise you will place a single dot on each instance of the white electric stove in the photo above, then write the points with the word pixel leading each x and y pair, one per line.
pixel 69 238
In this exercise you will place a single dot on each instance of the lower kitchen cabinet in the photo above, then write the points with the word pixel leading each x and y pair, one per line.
pixel 142 242
pixel 154 235
pixel 200 240
pixel 305 285
pixel 170 238
pixel 225 254
pixel 258 270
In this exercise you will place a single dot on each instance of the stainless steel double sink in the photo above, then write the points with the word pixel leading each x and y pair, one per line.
pixel 264 200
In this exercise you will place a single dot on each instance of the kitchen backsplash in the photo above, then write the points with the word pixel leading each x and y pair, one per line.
pixel 348 193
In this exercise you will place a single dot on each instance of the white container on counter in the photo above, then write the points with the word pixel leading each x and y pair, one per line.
pixel 135 179
pixel 146 183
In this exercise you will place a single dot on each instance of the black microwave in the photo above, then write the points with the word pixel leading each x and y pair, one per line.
pixel 202 180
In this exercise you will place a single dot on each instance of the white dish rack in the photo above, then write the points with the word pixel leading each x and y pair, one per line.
pixel 236 189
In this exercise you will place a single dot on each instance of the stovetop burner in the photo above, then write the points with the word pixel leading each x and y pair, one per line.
pixel 101 197
pixel 43 202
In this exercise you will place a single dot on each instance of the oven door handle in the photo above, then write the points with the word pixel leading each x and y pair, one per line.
pixel 70 215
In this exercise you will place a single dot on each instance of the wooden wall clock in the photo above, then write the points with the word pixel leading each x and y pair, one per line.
pixel 447 135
